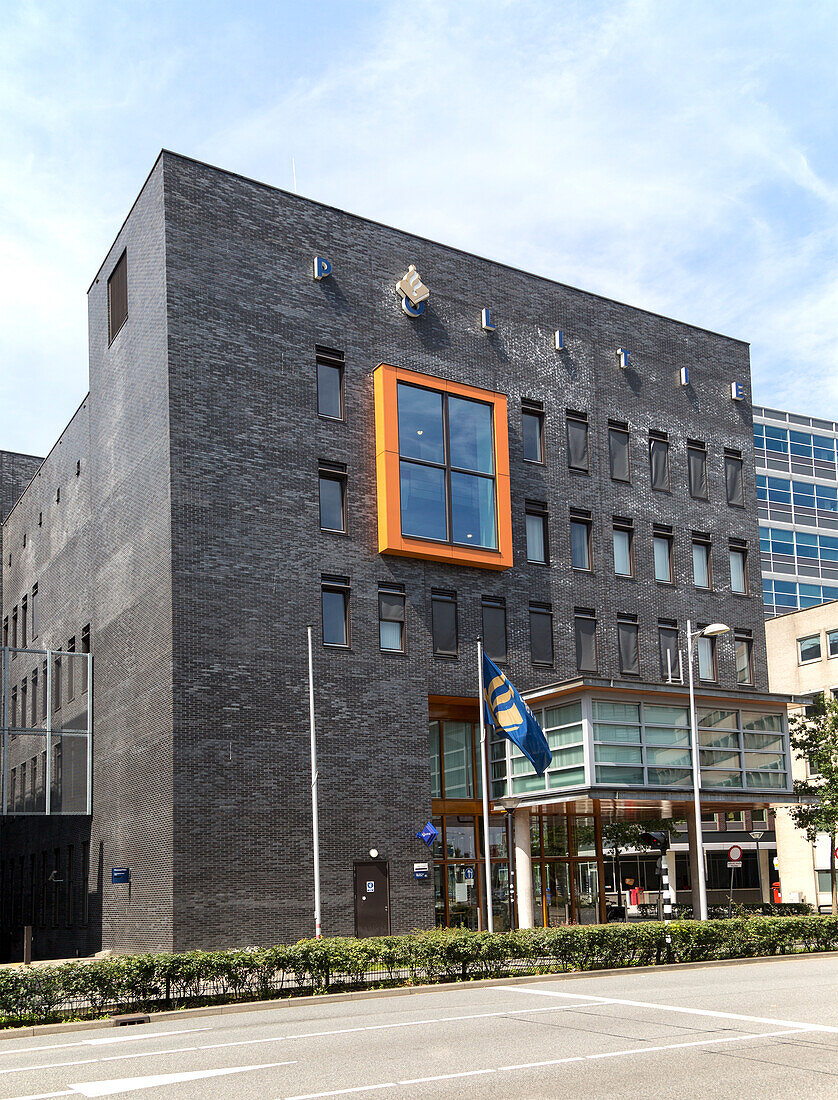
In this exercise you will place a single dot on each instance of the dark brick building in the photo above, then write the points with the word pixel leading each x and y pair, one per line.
pixel 189 520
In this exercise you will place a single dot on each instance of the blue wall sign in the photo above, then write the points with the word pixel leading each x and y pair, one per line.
pixel 486 320
pixel 410 309
pixel 684 376
pixel 120 874
pixel 420 870
pixel 322 268
pixel 429 834
pixel 737 391
pixel 559 340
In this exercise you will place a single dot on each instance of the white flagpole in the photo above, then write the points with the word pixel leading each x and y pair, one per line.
pixel 485 784
pixel 315 826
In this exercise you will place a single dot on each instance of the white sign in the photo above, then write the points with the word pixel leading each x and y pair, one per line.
pixel 734 863
pixel 370 887
pixel 410 286
pixel 734 853
pixel 461 891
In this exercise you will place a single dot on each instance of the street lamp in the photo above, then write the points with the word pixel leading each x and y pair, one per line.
pixel 510 804
pixel 757 834
pixel 711 631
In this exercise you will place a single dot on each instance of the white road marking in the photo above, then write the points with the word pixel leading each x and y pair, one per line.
pixel 43 1095
pixel 48 1065
pixel 446 1076
pixel 110 1039
pixel 342 1092
pixel 132 1084
pixel 715 1014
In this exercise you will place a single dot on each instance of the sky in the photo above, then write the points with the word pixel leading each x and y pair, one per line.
pixel 678 156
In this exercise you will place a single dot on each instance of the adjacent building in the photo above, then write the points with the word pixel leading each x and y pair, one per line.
pixel 300 417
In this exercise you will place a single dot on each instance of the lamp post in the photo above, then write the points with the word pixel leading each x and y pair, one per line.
pixel 510 804
pixel 757 835
pixel 711 631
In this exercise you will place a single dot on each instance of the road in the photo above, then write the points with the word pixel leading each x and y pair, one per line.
pixel 766 1029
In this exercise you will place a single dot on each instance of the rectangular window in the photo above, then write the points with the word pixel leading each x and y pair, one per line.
pixel 71 671
pixel 659 460
pixel 738 569
pixel 446 467
pixel 809 649
pixel 537 542
pixel 85 872
pixel 330 365
pixel 57 683
pixel 580 540
pixel 34 693
pixel 627 645
pixel 733 478
pixel 24 702
pixel 832 642
pixel 85 648
pixel 662 545
pixel 697 468
pixel 118 297
pixel 744 644
pixel 541 633
pixel 24 607
pixel 43 707
pixel 69 883
pixel 14 628
pixel 494 628
pixel 446 641
pixel 707 659
pixel 618 451
pixel 332 496
pixel 335 608
pixel 577 441
pixel 391 618
pixel 6 630
pixel 532 431
pixel 623 549
pixel 584 626
pixel 669 653
pixel 701 563
pixel 35 622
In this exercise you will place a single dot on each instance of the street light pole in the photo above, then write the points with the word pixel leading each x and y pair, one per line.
pixel 757 834
pixel 699 833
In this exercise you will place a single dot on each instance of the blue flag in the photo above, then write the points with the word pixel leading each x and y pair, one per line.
pixel 507 711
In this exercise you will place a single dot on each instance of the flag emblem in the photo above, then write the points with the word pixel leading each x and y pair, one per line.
pixel 507 711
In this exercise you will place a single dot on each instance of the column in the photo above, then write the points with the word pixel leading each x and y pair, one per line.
pixel 695 855
pixel 523 867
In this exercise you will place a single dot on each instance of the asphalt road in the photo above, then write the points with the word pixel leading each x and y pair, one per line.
pixel 767 1029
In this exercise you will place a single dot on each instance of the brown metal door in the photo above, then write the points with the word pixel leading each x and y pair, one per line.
pixel 372 899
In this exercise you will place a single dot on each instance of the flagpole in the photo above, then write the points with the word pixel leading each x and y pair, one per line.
pixel 315 825
pixel 484 771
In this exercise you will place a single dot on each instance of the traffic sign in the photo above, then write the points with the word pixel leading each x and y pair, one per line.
pixel 734 863
pixel 734 853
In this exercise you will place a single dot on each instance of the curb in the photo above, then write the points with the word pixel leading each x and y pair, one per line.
pixel 400 991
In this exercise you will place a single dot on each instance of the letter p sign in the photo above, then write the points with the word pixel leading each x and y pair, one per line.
pixel 322 268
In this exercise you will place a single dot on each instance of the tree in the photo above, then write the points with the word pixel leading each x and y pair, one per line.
pixel 813 734
pixel 625 836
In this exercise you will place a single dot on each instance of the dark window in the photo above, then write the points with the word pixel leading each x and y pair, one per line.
pixel 532 431
pixel 541 633
pixel 669 653
pixel 444 624
pixel 85 865
pixel 580 540
pixel 702 576
pixel 43 707
pixel 24 702
pixel 13 708
pixel 697 469
pixel 537 541
pixel 577 441
pixel 733 478
pixel 69 882
pixel 71 670
pixel 738 568
pixel 623 549
pixel 118 297
pixel 332 497
pixel 662 547
pixel 34 693
pixel 627 645
pixel 330 383
pixel 335 605
pixel 85 648
pixel 743 641
pixel 659 460
pixel 6 630
pixel 618 451
pixel 707 659
pixel 57 683
pixel 494 628
pixel 584 626
pixel 14 628
pixel 24 608
pixel 391 618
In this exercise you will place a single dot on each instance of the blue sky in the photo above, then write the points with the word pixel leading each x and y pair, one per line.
pixel 678 156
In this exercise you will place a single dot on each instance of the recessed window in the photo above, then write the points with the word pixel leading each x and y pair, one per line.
pixel 733 478
pixel 85 649
pixel 832 642
pixel 391 618
pixel 577 441
pixel 707 659
pixel 739 570
pixel 532 431
pixel 701 563
pixel 24 617
pixel 118 297
pixel 662 546
pixel 618 451
pixel 444 624
pixel 332 497
pixel 697 469
pixel 659 460
pixel 584 627
pixel 809 649
pixel 744 646
pixel 494 628
pixel 627 645
pixel 669 652
pixel 335 607
pixel 330 366
pixel 623 550
pixel 580 540
pixel 537 544
pixel 541 633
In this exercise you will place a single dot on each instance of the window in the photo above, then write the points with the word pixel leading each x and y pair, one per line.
pixel 541 633
pixel 659 460
pixel 809 649
pixel 532 431
pixel 738 569
pixel 24 702
pixel 57 683
pixel 701 562
pixel 733 478
pixel 669 652
pixel 744 645
pixel 391 618
pixel 662 545
pixel 580 539
pixel 118 297
pixel 623 548
pixel 832 643
pixel 34 679
pixel 85 871
pixel 618 451
pixel 71 670
pixel 584 626
pixel 335 607
pixel 537 543
pixel 627 645
pixel 85 648
pixel 24 608
pixel 6 630
pixel 577 441
pixel 329 383
pixel 697 469
pixel 69 883
pixel 494 628
pixel 14 628
pixel 444 624
pixel 332 496
pixel 707 659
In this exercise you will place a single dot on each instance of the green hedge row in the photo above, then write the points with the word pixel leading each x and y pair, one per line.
pixel 100 987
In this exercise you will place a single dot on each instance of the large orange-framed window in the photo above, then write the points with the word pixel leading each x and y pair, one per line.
pixel 442 458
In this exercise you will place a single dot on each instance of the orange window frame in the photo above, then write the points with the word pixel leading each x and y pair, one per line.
pixel 390 537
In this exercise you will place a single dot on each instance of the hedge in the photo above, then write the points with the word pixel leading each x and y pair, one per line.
pixel 99 987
